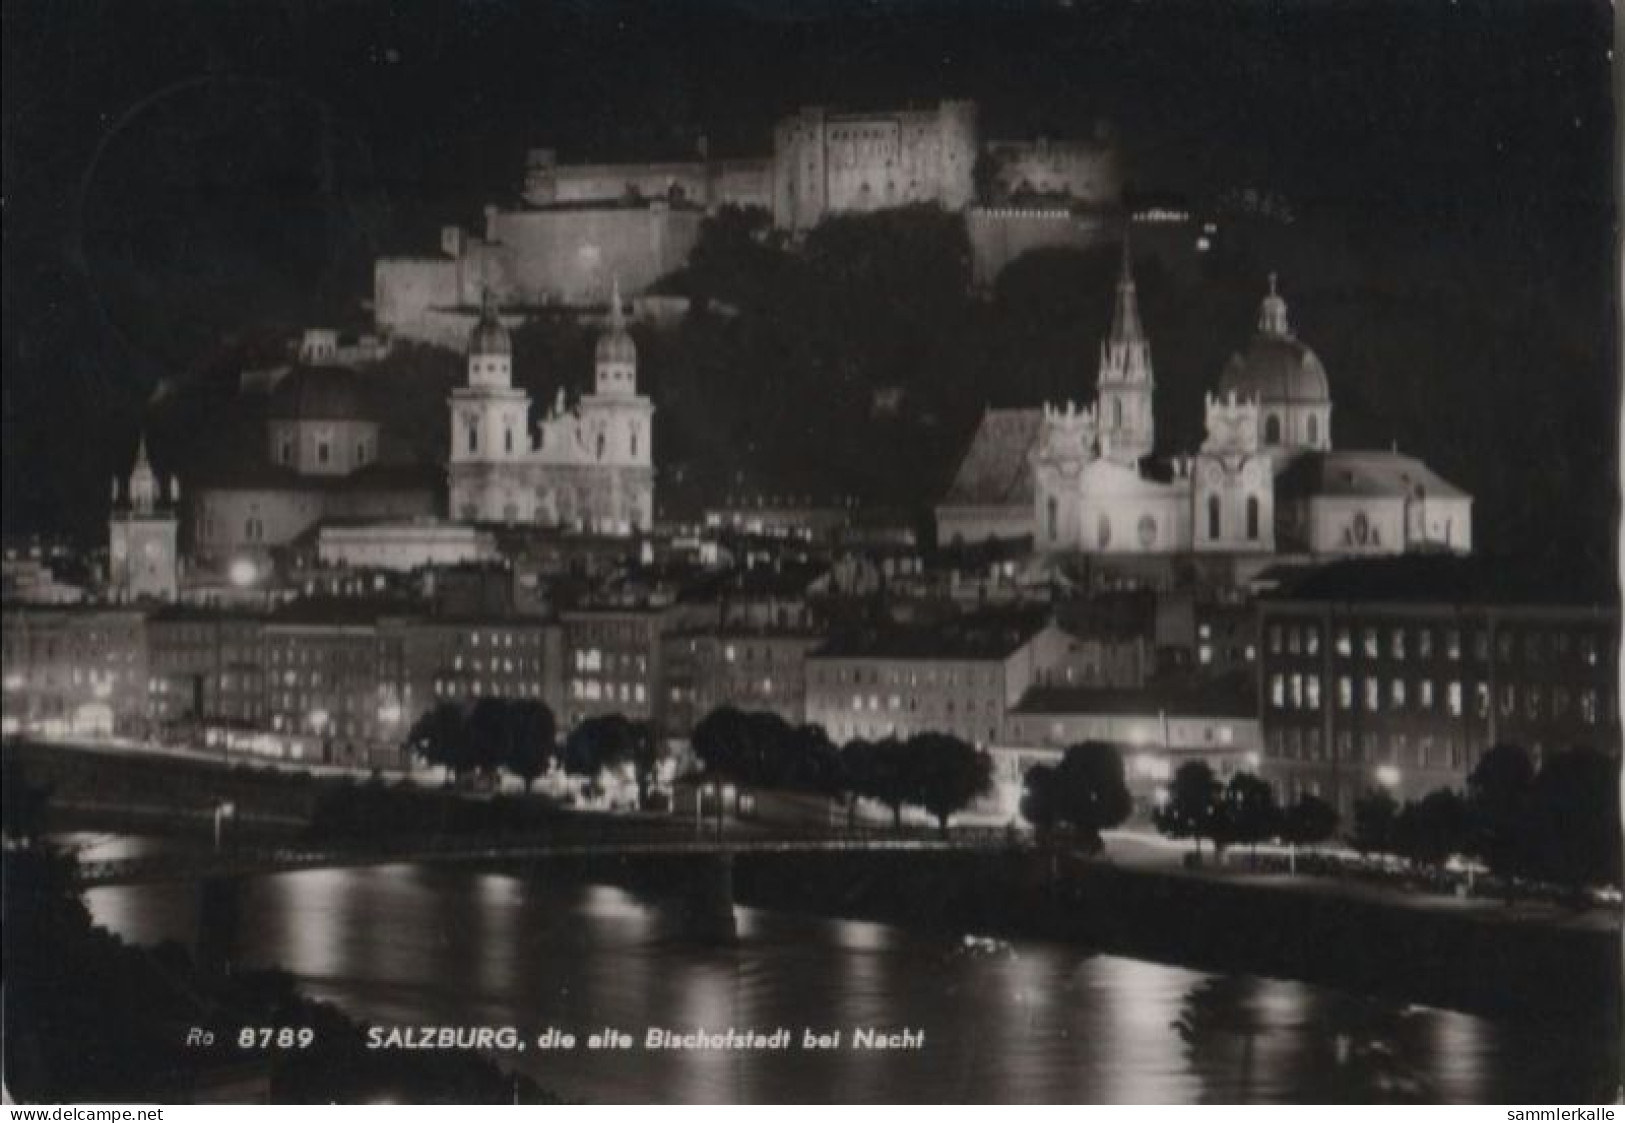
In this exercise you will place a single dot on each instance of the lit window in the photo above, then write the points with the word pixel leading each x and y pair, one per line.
pixel 1373 694
pixel 1453 698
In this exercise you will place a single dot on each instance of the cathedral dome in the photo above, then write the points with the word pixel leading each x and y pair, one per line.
pixel 318 393
pixel 489 337
pixel 1275 367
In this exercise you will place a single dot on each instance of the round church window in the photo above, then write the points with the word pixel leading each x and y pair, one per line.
pixel 1148 532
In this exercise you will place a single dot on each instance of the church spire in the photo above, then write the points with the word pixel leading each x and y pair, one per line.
pixel 143 490
pixel 1126 327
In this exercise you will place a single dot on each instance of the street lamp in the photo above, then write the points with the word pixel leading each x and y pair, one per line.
pixel 222 811
pixel 1388 776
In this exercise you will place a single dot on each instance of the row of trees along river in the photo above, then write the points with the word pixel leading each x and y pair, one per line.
pixel 1558 823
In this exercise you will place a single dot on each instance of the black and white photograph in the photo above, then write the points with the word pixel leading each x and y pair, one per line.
pixel 569 552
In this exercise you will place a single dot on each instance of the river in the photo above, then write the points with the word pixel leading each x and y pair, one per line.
pixel 1001 1021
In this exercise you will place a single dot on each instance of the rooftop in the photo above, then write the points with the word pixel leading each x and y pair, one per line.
pixel 978 636
pixel 1226 697
pixel 1371 474
pixel 1443 579
pixel 995 471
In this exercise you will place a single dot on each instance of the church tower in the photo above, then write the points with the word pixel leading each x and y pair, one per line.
pixel 1127 430
pixel 490 429
pixel 617 426
pixel 141 537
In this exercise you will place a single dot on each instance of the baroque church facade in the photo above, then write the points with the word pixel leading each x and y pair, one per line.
pixel 588 467
pixel 1265 482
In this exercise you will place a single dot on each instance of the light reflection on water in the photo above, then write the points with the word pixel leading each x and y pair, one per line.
pixel 1003 1021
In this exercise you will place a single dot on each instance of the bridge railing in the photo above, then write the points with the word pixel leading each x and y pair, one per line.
pixel 666 838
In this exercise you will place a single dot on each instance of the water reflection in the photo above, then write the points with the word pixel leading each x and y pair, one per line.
pixel 1002 1021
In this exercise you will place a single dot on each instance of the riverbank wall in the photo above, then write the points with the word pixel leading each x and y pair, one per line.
pixel 1431 952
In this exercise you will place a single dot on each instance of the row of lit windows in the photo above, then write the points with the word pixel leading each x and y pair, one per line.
pixel 592 661
pixel 1426 751
pixel 1302 692
pixel 497 665
pixel 1061 732
pixel 891 676
pixel 476 688
pixel 895 703
pixel 594 690
pixel 1400 643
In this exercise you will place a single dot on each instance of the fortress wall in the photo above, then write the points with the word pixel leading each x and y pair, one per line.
pixel 742 183
pixel 1090 173
pixel 572 256
pixel 404 288
pixel 999 236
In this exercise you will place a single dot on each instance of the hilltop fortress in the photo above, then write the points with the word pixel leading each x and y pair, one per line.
pixel 581 226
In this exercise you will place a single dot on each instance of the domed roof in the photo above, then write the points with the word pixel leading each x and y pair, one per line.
pixel 1275 367
pixel 489 337
pixel 616 345
pixel 318 393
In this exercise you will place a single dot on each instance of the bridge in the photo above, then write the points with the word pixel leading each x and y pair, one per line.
pixel 240 861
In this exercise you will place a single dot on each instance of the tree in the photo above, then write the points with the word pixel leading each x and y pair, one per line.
pixel 1374 816
pixel 1308 822
pixel 946 774
pixel 722 742
pixel 1091 793
pixel 1039 805
pixel 608 743
pixel 1429 831
pixel 489 732
pixel 1192 802
pixel 857 770
pixel 1572 823
pixel 816 763
pixel 888 778
pixel 1246 813
pixel 440 737
pixel 1498 792
pixel 531 744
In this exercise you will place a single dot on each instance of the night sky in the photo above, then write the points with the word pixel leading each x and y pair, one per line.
pixel 182 179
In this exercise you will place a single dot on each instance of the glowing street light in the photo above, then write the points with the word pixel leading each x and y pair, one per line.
pixel 243 572
pixel 1388 776
pixel 222 812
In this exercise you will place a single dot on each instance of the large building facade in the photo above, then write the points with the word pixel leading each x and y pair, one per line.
pixel 1400 673
pixel 590 467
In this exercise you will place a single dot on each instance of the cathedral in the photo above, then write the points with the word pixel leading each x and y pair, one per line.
pixel 588 468
pixel 1265 483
